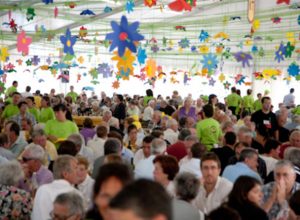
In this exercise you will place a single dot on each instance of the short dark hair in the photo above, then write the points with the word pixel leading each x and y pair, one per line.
pixel 31 98
pixel 230 138
pixel 16 93
pixel 117 135
pixel 208 110
pixel 249 91
pixel 233 89
pixel 88 123
pixel 47 99
pixel 101 131
pixel 265 98
pixel 14 82
pixel 14 127
pixel 198 150
pixel 292 90
pixel 145 198
pixel 225 213
pixel 148 139
pixel 210 98
pixel 28 88
pixel 130 128
pixel 169 165
pixel 120 97
pixel 117 170
pixel 60 107
pixel 67 147
pixel 3 139
pixel 21 103
pixel 149 92
pixel 183 134
pixel 187 186
pixel 112 146
pixel 210 156
pixel 271 144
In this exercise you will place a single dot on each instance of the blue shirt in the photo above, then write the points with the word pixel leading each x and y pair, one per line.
pixel 232 172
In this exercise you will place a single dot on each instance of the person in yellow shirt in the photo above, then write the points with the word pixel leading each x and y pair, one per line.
pixel 37 99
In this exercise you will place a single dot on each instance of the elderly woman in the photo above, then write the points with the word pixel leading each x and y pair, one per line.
pixel 165 169
pixel 15 203
pixel 187 110
pixel 88 131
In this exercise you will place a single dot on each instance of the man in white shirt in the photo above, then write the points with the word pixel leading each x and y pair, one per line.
pixel 97 143
pixel 144 152
pixel 171 134
pixel 214 189
pixel 145 168
pixel 65 175
pixel 148 111
pixel 289 99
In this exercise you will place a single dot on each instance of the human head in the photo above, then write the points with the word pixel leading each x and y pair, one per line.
pixel 68 206
pixel 88 123
pixel 67 147
pixel 11 173
pixel 183 134
pixel 60 112
pixel 266 103
pixel 16 97
pixel 293 154
pixel 225 213
pixel 22 105
pixel 30 101
pixel 132 132
pixel 208 111
pixel 142 200
pixel 165 168
pixel 158 146
pixel 249 156
pixel 149 92
pixel 198 150
pixel 186 186
pixel 147 146
pixel 33 157
pixel 210 167
pixel 77 139
pixel 245 134
pixel 249 91
pixel 82 168
pixel 230 138
pixel 65 167
pixel 245 190
pixel 12 130
pixel 272 147
pixel 295 138
pixel 172 124
pixel 111 178
pixel 212 99
pixel 45 101
pixel 284 172
pixel 112 146
pixel 3 140
pixel 102 131
pixel 292 90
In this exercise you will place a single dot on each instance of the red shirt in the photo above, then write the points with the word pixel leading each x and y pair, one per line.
pixel 177 150
pixel 283 147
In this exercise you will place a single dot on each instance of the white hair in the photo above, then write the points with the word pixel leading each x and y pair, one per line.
pixel 171 122
pixel 35 151
pixel 114 122
pixel 77 139
pixel 158 146
pixel 107 112
pixel 11 173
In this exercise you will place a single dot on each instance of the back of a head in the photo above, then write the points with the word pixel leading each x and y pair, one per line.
pixel 74 202
pixel 224 213
pixel 145 198
pixel 158 146
pixel 102 131
pixel 198 150
pixel 77 139
pixel 67 147
pixel 35 151
pixel 230 138
pixel 112 146
pixel 11 173
pixel 247 153
pixel 183 134
pixel 62 164
pixel 292 90
pixel 3 139
pixel 293 154
pixel 271 144
pixel 208 110
pixel 187 186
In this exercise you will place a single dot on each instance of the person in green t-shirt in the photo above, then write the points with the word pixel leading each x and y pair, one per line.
pixel 148 97
pixel 60 128
pixel 72 94
pixel 46 112
pixel 257 105
pixel 31 107
pixel 12 109
pixel 208 130
pixel 11 89
pixel 233 101
pixel 248 102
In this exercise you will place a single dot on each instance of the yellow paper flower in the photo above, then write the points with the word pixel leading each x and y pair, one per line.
pixel 248 42
pixel 222 77
pixel 80 59
pixel 203 49
pixel 4 54
pixel 125 62
pixel 204 72
pixel 256 24
pixel 150 68
pixel 290 36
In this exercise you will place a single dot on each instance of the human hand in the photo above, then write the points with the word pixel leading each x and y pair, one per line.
pixel 281 191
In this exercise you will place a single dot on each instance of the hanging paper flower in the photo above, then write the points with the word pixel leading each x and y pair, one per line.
pixel 283 1
pixel 80 59
pixel 203 36
pixel 227 85
pixel 141 55
pixel 182 5
pixel 293 69
pixel 28 62
pixel 276 20
pixel 68 41
pixel 124 36
pixel 83 32
pixel 116 84
pixel 19 61
pixel 299 20
pixel 254 49
pixel 222 77
pixel 289 48
pixel 243 57
pixel 210 61
pixel 47 1
pixel 125 62
pixel 129 6
pixel 23 43
pixel 94 73
pixel 4 54
pixel 184 43
pixel 2 88
pixel 211 81
pixel 279 54
pixel 154 48
pixel 261 52
pixel 30 14
pixel 35 60
pixel 239 79
pixel 222 35
pixel 193 49
pixel 87 12
pixel 149 3
pixel 105 70
pixel 150 68
pixel 256 24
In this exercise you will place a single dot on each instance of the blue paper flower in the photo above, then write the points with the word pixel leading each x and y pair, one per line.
pixel 193 49
pixel 243 57
pixel 279 54
pixel 87 12
pixel 154 48
pixel 35 60
pixel 254 49
pixel 212 81
pixel 129 6
pixel 124 36
pixel 210 61
pixel 203 36
pixel 293 70
pixel 141 55
pixel 68 41
pixel 104 69
pixel 47 1
pixel 184 43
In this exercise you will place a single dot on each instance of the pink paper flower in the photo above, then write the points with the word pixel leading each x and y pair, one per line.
pixel 23 43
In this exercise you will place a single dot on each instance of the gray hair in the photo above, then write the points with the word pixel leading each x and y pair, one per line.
pixel 293 154
pixel 284 163
pixel 107 112
pixel 187 186
pixel 77 139
pixel 247 131
pixel 35 151
pixel 37 133
pixel 11 173
pixel 171 122
pixel 158 146
pixel 183 134
pixel 192 138
pixel 247 153
pixel 73 201
pixel 62 164
pixel 114 122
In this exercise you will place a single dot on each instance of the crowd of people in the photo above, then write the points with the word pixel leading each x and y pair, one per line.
pixel 149 157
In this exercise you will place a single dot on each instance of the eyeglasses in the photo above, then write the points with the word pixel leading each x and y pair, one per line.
pixel 58 217
pixel 26 159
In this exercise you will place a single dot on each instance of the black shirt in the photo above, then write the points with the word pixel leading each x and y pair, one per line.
pixel 267 121
pixel 224 154
pixel 168 110
pixel 284 134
